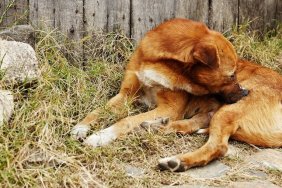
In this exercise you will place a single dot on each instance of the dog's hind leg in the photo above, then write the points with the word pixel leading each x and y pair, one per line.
pixel 185 126
pixel 189 126
pixel 265 131
pixel 169 104
pixel 221 128
pixel 199 110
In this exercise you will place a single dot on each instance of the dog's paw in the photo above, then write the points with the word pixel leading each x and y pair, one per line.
pixel 79 131
pixel 171 163
pixel 203 131
pixel 101 138
pixel 155 124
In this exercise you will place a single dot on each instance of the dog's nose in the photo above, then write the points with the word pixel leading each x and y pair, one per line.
pixel 245 92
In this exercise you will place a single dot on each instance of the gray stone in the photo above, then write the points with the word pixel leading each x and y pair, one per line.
pixel 256 174
pixel 45 157
pixel 253 184
pixel 18 62
pixel 213 170
pixel 134 171
pixel 6 106
pixel 268 158
pixel 20 33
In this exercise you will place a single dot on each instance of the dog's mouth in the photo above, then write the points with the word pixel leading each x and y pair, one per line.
pixel 233 97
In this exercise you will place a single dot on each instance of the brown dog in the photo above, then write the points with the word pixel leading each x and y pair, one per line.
pixel 255 119
pixel 176 58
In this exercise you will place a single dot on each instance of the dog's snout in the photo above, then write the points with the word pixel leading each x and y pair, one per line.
pixel 245 92
pixel 234 93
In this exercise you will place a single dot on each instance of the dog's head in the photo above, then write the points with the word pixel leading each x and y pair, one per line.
pixel 214 68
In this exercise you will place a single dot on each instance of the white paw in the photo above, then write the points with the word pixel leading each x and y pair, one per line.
pixel 202 131
pixel 171 163
pixel 101 138
pixel 79 131
pixel 155 124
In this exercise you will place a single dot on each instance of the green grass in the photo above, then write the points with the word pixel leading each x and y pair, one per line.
pixel 260 49
pixel 36 149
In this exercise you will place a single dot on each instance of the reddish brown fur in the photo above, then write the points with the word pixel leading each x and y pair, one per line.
pixel 191 43
pixel 165 58
pixel 173 49
pixel 255 119
pixel 181 57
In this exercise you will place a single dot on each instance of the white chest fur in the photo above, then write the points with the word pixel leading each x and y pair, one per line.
pixel 152 78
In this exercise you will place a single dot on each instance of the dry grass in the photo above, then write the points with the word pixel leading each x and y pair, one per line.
pixel 35 145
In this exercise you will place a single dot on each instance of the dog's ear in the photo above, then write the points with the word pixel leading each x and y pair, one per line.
pixel 207 54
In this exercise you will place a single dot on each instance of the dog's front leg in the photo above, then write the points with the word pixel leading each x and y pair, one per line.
pixel 188 126
pixel 129 90
pixel 79 131
pixel 170 104
pixel 126 125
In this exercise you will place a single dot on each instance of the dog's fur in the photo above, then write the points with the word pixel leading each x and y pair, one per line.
pixel 178 55
pixel 174 65
pixel 255 119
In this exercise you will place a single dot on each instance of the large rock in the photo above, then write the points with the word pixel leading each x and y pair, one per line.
pixel 20 33
pixel 18 62
pixel 6 106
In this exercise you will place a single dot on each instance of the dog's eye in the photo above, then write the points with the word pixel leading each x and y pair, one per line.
pixel 232 77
